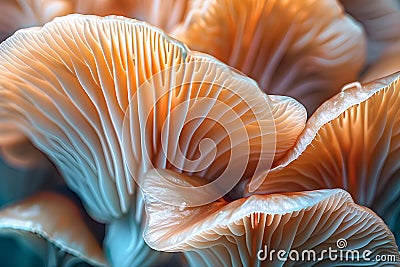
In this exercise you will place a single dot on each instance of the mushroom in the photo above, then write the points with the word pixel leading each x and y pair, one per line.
pixel 304 49
pixel 18 14
pixel 23 169
pixel 380 19
pixel 108 99
pixel 165 14
pixel 40 226
pixel 351 142
pixel 387 63
pixel 240 233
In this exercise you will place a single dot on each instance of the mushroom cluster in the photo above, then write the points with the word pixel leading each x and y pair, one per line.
pixel 199 133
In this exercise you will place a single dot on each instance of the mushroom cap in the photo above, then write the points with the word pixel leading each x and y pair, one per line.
pixel 303 49
pixel 20 153
pixel 18 14
pixel 106 99
pixel 43 224
pixel 386 64
pixel 380 20
pixel 351 142
pixel 164 14
pixel 103 98
pixel 231 234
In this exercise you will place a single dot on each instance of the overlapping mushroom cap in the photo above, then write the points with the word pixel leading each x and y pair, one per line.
pixel 115 101
pixel 380 20
pixel 91 75
pixel 387 63
pixel 352 142
pixel 304 49
pixel 165 14
pixel 50 231
pixel 232 234
pixel 18 14
pixel 108 99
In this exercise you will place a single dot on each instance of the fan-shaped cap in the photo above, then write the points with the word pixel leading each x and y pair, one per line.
pixel 380 20
pixel 108 99
pixel 232 234
pixel 165 14
pixel 50 224
pixel 351 142
pixel 386 64
pixel 289 119
pixel 18 14
pixel 304 49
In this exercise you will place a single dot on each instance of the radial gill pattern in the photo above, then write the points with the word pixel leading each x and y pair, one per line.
pixel 304 49
pixel 234 233
pixel 352 142
pixel 108 99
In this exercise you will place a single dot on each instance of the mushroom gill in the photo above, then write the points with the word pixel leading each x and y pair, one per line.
pixel 107 99
pixel 95 79
pixel 352 142
pixel 304 49
pixel 233 234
